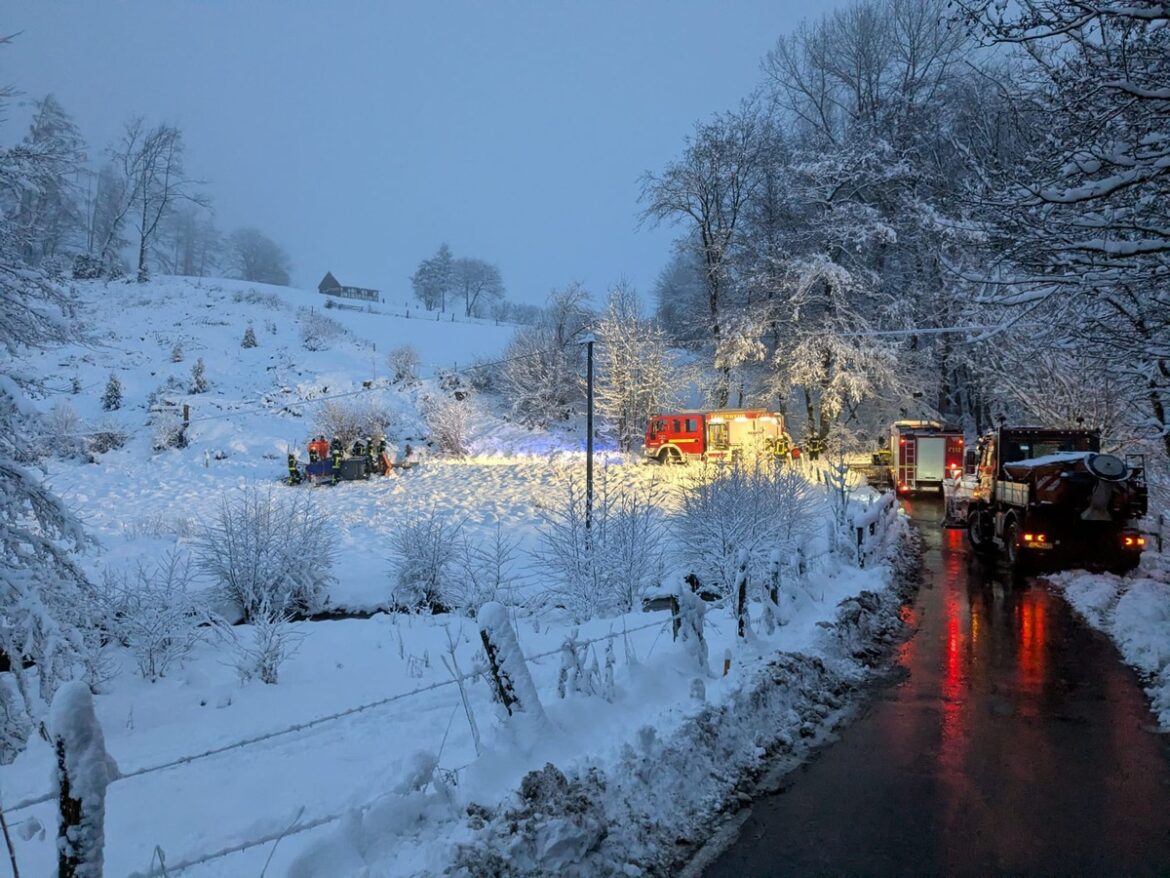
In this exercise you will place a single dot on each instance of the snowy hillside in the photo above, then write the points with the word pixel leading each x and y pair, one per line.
pixel 380 731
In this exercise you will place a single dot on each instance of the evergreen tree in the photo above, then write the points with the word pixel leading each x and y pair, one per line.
pixel 199 377
pixel 177 352
pixel 249 338
pixel 112 398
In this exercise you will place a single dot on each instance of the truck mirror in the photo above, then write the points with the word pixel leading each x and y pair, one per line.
pixel 969 460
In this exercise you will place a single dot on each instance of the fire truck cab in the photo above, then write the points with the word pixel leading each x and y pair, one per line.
pixel 923 454
pixel 678 437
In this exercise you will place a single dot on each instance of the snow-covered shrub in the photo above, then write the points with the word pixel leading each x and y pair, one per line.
pixel 758 505
pixel 249 338
pixel 265 549
pixel 449 421
pixel 274 641
pixel 86 267
pixel 154 613
pixel 269 301
pixel 403 362
pixel 169 430
pixel 105 436
pixel 15 720
pixel 83 771
pixel 63 431
pixel 177 352
pixel 425 550
pixel 349 420
pixel 112 398
pixel 199 377
pixel 602 569
pixel 484 571
pixel 318 332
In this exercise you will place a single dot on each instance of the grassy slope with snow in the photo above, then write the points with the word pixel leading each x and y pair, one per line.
pixel 137 503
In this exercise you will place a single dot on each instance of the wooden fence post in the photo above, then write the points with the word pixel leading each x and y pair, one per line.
pixel 741 608
pixel 83 772
pixel 510 675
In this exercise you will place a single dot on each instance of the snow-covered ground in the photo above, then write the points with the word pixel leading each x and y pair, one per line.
pixel 345 742
pixel 1134 611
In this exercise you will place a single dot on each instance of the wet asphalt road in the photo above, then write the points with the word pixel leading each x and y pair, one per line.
pixel 1014 741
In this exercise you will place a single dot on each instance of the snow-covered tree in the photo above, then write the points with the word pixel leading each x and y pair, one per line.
pixel 153 181
pixel 434 279
pixel 252 255
pixel 48 215
pixel 188 242
pixel 112 398
pixel 41 587
pixel 199 377
pixel 543 370
pixel 634 371
pixel 709 189
pixel 249 337
pixel 478 283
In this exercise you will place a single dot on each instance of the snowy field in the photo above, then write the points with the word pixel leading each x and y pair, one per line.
pixel 363 756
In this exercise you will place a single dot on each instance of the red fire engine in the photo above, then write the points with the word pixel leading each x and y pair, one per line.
pixel 681 436
pixel 923 454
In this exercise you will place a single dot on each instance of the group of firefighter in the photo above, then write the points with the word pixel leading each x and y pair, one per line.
pixel 373 455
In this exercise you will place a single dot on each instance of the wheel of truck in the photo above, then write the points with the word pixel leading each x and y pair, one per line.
pixel 669 455
pixel 1016 558
pixel 978 534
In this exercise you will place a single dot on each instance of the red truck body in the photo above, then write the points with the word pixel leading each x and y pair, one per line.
pixel 923 454
pixel 705 435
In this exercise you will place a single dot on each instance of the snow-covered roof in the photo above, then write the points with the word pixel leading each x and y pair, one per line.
pixel 1047 459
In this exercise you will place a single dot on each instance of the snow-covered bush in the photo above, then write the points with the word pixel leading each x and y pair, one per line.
pixel 112 398
pixel 274 641
pixel 758 505
pixel 15 720
pixel 105 436
pixel 169 430
pixel 425 550
pixel 83 771
pixel 63 428
pixel 602 569
pixel 199 377
pixel 265 549
pixel 154 614
pixel 318 332
pixel 484 571
pixel 177 352
pixel 249 338
pixel 449 421
pixel 349 420
pixel 403 362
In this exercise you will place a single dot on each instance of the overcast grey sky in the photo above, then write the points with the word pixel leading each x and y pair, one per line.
pixel 360 135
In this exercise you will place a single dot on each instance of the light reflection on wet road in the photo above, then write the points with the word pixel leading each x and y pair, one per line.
pixel 1016 741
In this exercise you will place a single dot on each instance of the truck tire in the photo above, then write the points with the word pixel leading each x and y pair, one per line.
pixel 1017 559
pixel 670 455
pixel 978 534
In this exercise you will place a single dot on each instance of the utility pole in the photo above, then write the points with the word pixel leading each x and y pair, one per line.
pixel 588 341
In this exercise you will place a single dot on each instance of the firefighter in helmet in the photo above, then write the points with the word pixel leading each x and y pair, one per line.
pixel 369 455
pixel 335 456
pixel 294 473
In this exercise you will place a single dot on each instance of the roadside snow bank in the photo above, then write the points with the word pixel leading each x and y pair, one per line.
pixel 1135 612
pixel 642 803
